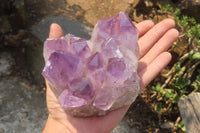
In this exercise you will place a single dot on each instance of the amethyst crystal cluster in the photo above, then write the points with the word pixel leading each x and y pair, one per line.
pixel 92 77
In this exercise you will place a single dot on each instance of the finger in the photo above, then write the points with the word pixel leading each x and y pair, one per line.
pixel 53 105
pixel 162 45
pixel 50 96
pixel 153 35
pixel 50 92
pixel 144 26
pixel 55 31
pixel 151 71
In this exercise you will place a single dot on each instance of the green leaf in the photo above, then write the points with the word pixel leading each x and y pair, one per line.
pixel 182 96
pixel 181 126
pixel 176 18
pixel 196 56
pixel 181 83
pixel 198 78
pixel 169 94
pixel 198 42
pixel 198 31
pixel 178 68
pixel 193 31
pixel 156 88
pixel 167 8
pixel 159 107
pixel 192 20
pixel 196 83
pixel 198 70
pixel 174 98
pixel 177 12
pixel 162 92
pixel 184 23
pixel 190 56
pixel 185 18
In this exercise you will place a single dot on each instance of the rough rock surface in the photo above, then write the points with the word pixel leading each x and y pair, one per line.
pixel 6 61
pixel 21 110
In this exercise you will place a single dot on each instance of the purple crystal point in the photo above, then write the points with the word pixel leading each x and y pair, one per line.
pixel 52 45
pixel 93 77
pixel 95 61
pixel 67 100
pixel 59 69
pixel 104 30
pixel 124 21
pixel 80 46
pixel 81 88
pixel 116 67
pixel 103 100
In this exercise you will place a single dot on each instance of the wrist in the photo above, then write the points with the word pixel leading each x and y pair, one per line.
pixel 54 126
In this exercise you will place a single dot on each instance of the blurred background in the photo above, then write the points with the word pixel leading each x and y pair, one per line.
pixel 24 26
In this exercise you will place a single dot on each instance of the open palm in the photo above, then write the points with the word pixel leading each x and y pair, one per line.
pixel 154 40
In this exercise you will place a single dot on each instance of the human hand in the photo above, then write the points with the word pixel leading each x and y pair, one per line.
pixel 153 43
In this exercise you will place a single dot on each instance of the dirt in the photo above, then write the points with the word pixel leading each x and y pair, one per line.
pixel 93 10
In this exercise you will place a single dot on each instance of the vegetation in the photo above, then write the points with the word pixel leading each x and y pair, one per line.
pixel 184 76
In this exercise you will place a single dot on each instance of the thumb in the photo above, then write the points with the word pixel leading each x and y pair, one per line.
pixel 55 31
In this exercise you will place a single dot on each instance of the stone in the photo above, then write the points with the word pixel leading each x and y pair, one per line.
pixel 6 63
pixel 124 127
pixel 5 26
pixel 93 77
pixel 190 113
pixel 28 112
pixel 167 125
pixel 15 40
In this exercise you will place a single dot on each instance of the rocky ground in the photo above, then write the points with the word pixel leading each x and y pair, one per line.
pixel 22 104
pixel 24 25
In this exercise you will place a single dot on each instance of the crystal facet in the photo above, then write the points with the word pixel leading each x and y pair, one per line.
pixel 116 67
pixel 93 77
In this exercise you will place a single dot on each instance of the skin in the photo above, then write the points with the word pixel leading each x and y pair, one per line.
pixel 154 40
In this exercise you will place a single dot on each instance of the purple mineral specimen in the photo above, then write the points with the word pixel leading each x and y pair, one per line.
pixel 93 77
